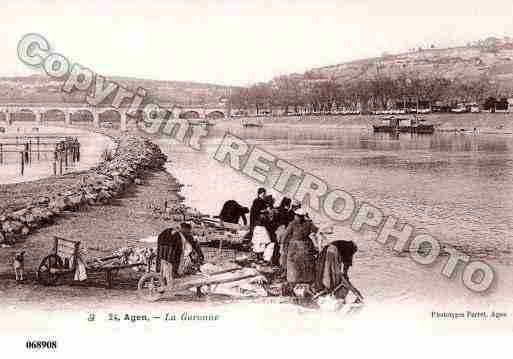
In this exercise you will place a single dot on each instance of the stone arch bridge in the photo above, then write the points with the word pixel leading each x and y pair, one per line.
pixel 70 113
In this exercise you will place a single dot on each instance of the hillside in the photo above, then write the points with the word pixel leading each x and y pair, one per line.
pixel 492 58
pixel 40 89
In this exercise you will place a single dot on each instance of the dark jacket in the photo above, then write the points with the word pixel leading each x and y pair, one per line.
pixel 346 251
pixel 232 212
pixel 282 216
pixel 299 230
pixel 256 210
pixel 169 248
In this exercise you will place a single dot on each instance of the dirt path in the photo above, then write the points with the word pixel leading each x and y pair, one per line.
pixel 101 229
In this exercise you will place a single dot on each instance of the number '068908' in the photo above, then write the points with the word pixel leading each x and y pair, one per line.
pixel 41 344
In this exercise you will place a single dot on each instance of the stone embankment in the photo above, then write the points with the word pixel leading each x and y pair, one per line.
pixel 131 158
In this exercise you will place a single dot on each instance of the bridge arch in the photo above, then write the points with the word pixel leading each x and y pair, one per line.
pixel 53 115
pixel 189 115
pixel 215 115
pixel 23 115
pixel 82 116
pixel 109 118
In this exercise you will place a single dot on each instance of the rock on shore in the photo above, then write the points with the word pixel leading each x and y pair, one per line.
pixel 133 156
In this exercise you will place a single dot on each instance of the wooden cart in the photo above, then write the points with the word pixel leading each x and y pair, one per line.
pixel 64 260
pixel 152 287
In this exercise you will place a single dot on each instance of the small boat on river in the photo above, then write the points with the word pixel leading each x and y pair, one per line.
pixel 204 122
pixel 392 124
pixel 252 122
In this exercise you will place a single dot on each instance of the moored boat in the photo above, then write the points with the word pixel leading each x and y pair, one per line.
pixel 201 123
pixel 394 124
pixel 252 122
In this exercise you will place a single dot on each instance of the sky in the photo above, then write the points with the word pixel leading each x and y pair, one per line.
pixel 239 42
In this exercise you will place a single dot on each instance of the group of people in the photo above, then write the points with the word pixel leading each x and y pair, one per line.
pixel 285 236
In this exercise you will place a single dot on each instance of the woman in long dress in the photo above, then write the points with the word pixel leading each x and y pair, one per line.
pixel 300 250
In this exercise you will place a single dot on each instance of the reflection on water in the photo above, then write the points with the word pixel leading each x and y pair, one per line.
pixel 459 186
pixel 92 146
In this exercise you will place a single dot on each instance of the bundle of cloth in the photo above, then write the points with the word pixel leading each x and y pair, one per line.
pixel 134 255
pixel 247 287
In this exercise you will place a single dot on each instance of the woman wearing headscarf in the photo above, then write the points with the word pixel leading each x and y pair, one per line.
pixel 300 251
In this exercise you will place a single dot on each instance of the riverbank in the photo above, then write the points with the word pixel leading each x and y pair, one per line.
pixel 395 287
pixel 117 224
pixel 92 145
pixel 134 180
pixel 390 283
pixel 28 207
pixel 498 123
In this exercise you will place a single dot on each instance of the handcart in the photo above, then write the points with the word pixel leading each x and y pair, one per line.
pixel 65 258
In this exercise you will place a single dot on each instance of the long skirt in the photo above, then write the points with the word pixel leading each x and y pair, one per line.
pixel 166 270
pixel 283 247
pixel 300 262
pixel 260 239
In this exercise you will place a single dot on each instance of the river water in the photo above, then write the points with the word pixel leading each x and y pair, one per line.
pixel 92 145
pixel 458 187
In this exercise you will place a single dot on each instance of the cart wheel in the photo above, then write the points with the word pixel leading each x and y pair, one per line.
pixel 151 287
pixel 45 275
pixel 206 289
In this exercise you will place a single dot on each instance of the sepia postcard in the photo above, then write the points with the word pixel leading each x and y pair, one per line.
pixel 187 177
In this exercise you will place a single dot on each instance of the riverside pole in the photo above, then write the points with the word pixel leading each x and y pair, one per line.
pixel 55 162
pixel 66 155
pixel 26 150
pixel 60 162
pixel 54 165
pixel 22 163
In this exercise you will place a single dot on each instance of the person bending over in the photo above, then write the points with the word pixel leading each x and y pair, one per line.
pixel 178 253
pixel 233 212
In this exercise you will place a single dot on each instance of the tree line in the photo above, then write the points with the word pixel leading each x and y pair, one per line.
pixel 313 93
